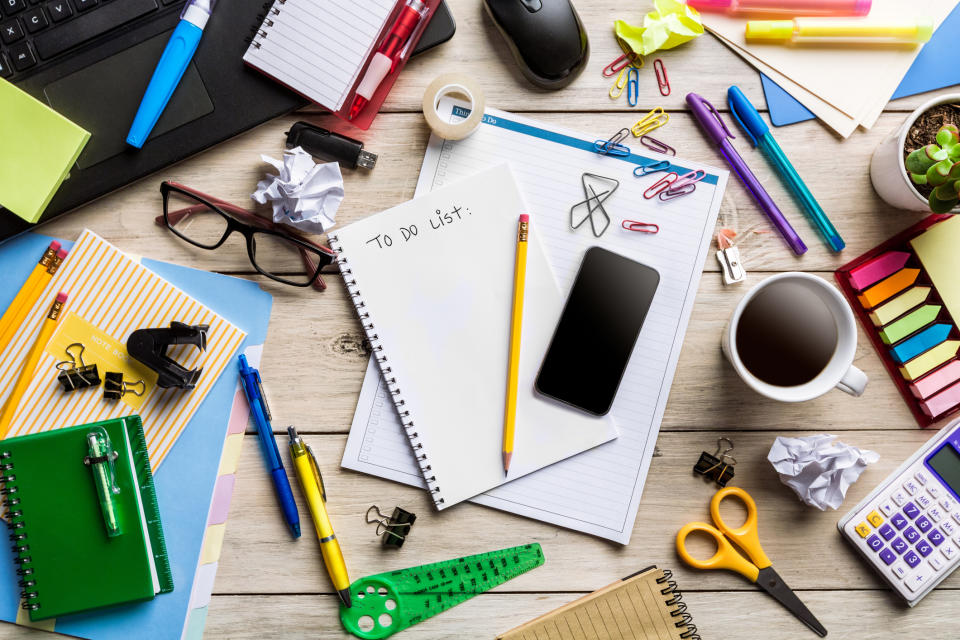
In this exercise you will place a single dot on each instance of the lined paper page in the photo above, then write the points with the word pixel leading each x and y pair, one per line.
pixel 317 47
pixel 598 491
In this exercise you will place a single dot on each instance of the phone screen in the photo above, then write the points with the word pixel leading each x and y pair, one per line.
pixel 598 330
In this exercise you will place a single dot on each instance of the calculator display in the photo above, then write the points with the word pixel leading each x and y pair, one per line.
pixel 946 463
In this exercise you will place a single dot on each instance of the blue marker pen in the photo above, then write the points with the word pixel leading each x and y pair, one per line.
pixel 178 54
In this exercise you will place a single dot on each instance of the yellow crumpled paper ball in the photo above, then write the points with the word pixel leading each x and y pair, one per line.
pixel 671 24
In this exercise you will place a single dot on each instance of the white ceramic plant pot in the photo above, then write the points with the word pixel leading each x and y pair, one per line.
pixel 887 172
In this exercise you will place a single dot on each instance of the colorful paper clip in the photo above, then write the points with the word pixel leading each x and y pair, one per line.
pixel 689 178
pixel 628 58
pixel 633 86
pixel 612 146
pixel 662 81
pixel 642 227
pixel 653 120
pixel 617 89
pixel 645 170
pixel 660 185
pixel 655 145
pixel 677 192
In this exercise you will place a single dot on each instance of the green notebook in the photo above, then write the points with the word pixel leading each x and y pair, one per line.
pixel 67 561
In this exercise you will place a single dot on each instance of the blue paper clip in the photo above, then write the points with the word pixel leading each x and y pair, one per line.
pixel 645 170
pixel 633 86
pixel 612 147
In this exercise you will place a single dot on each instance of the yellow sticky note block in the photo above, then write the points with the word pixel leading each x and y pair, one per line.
pixel 930 360
pixel 863 529
pixel 212 543
pixel 671 24
pixel 890 311
pixel 231 454
pixel 939 251
pixel 913 321
pixel 886 288
pixel 39 147
pixel 108 353
pixel 875 518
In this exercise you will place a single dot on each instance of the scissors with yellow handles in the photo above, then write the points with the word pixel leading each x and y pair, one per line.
pixel 745 536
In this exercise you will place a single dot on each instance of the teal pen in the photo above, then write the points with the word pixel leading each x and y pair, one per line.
pixel 759 133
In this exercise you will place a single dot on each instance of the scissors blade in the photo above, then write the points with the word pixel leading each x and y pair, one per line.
pixel 771 582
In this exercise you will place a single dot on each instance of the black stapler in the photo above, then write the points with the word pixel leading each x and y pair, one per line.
pixel 149 346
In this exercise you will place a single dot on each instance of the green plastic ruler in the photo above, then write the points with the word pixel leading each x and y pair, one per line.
pixel 389 602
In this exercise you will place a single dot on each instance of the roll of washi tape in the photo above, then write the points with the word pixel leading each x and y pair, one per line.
pixel 455 84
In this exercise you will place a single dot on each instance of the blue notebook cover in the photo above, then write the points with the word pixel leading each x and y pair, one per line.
pixel 185 480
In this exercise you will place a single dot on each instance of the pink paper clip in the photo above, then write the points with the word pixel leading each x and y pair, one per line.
pixel 689 178
pixel 677 192
pixel 662 81
pixel 663 183
pixel 655 145
pixel 642 227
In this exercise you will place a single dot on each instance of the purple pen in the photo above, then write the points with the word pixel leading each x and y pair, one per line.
pixel 718 133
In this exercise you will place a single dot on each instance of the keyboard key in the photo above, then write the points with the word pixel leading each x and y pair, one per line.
pixel 22 56
pixel 911 535
pixel 889 558
pixel 899 570
pixel 83 5
pixel 886 532
pixel 11 31
pixel 875 543
pixel 35 20
pixel 949 551
pixel 889 508
pixel 911 559
pixel 948 527
pixel 899 521
pixel 90 25
pixel 899 546
pixel 936 562
pixel 11 7
pixel 59 10
pixel 911 487
pixel 935 514
pixel 921 477
pixel 911 510
pixel 924 501
pixel 900 497
pixel 875 518
pixel 936 537
pixel 934 491
pixel 919 578
pixel 924 548
pixel 5 70
pixel 863 529
pixel 923 524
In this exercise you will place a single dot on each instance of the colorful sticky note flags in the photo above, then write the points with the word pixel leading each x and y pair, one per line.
pixel 887 288
pixel 929 385
pixel 923 341
pixel 897 331
pixel 890 311
pixel 877 269
pixel 930 360
pixel 946 399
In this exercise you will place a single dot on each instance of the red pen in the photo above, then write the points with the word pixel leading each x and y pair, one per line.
pixel 385 59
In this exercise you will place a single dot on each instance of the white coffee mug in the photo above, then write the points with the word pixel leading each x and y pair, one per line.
pixel 839 372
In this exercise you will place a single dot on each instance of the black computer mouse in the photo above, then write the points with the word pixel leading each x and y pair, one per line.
pixel 546 38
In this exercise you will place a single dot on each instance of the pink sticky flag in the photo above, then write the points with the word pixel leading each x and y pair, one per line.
pixel 929 385
pixel 878 269
pixel 946 399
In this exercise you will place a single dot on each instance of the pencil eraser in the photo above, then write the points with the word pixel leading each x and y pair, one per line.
pixel 62 297
pixel 524 217
pixel 61 253
pixel 55 246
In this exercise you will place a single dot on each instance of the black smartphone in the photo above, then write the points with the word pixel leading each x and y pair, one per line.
pixel 598 330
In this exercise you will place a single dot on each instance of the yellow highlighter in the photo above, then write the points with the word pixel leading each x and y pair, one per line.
pixel 516 324
pixel 825 30
pixel 311 483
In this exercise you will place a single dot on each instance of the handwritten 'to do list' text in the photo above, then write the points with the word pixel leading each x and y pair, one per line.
pixel 439 220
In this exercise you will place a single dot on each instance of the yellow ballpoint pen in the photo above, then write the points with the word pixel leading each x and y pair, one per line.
pixel 311 483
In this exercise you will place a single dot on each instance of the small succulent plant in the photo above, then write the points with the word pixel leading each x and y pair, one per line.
pixel 938 165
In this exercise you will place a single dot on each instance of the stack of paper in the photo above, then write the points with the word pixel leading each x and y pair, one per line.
pixel 845 86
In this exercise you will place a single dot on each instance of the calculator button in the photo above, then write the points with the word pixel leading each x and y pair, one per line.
pixel 911 487
pixel 911 559
pixel 949 551
pixel 924 548
pixel 889 508
pixel 887 532
pixel 875 543
pixel 888 556
pixel 863 529
pixel 899 497
pixel 875 518
pixel 924 501
pixel 936 537
pixel 956 516
pixel 911 510
pixel 899 521
pixel 921 477
pixel 936 562
pixel 948 527
pixel 911 535
pixel 934 491
pixel 899 570
pixel 919 578
pixel 935 514
pixel 923 524
pixel 947 503
pixel 899 545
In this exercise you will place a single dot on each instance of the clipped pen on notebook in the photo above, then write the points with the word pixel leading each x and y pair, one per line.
pixel 516 324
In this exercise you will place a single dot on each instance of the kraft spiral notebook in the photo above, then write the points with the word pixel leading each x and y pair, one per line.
pixel 68 562
pixel 596 492
pixel 432 280
pixel 646 605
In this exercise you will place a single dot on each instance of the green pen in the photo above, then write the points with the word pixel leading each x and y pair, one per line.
pixel 759 133
pixel 100 460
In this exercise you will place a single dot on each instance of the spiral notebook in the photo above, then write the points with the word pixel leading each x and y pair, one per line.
pixel 647 605
pixel 62 550
pixel 432 280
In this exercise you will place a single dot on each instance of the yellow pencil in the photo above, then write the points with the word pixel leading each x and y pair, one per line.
pixel 30 365
pixel 29 293
pixel 516 322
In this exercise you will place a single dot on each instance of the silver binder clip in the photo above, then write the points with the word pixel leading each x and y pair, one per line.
pixel 733 271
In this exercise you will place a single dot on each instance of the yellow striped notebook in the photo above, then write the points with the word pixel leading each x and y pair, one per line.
pixel 111 295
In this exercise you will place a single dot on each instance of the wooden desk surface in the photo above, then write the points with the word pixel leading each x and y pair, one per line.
pixel 269 586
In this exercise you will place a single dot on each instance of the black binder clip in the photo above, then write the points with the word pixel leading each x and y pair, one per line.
pixel 394 529
pixel 719 466
pixel 115 387
pixel 74 374
pixel 149 346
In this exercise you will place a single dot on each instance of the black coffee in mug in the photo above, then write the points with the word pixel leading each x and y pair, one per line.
pixel 786 335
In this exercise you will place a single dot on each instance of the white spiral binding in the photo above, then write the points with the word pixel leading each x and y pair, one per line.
pixel 262 31
pixel 18 535
pixel 386 371
pixel 676 600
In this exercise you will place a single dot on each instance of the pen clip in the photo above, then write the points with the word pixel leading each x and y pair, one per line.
pixel 717 116
pixel 316 472
pixel 736 116
pixel 263 396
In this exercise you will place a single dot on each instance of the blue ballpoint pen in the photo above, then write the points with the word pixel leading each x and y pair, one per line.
pixel 253 387
pixel 176 56
pixel 751 122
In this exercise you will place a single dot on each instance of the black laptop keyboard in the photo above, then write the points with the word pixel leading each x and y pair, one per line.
pixel 34 32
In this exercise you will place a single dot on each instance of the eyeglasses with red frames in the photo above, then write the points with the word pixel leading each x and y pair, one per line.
pixel 206 222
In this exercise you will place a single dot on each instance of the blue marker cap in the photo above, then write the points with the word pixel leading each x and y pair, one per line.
pixel 745 113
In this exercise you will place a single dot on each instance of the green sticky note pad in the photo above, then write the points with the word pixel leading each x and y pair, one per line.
pixel 38 149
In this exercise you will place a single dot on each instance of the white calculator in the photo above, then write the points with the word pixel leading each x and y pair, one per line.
pixel 908 528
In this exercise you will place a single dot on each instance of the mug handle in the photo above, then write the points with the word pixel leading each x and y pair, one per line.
pixel 853 382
